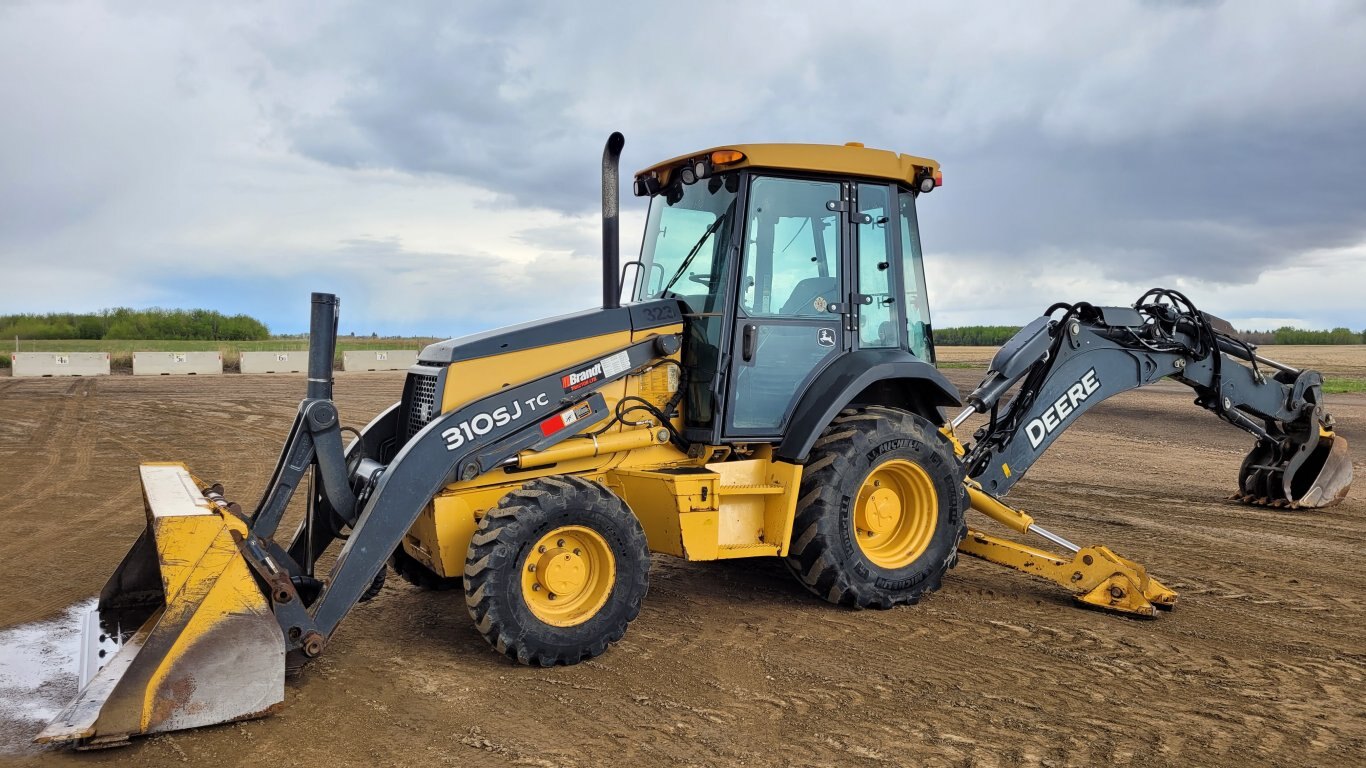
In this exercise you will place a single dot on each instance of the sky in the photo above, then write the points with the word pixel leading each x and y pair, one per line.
pixel 436 163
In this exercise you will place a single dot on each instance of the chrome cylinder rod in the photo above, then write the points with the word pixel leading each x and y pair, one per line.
pixel 1055 538
pixel 962 417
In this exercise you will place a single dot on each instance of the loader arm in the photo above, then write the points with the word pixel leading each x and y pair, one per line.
pixel 207 579
pixel 461 444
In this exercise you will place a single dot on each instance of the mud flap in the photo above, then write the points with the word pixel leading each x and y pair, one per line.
pixel 204 646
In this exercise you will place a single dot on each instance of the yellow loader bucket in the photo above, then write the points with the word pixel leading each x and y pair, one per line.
pixel 198 643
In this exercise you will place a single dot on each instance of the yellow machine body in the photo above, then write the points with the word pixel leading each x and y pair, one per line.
pixel 740 507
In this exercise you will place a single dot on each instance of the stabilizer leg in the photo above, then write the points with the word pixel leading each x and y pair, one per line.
pixel 1094 575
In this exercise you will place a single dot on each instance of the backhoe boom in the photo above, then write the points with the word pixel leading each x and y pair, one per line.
pixel 1064 367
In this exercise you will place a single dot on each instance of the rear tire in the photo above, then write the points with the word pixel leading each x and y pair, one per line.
pixel 556 571
pixel 881 510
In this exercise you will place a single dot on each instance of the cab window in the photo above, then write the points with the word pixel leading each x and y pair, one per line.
pixel 686 242
pixel 877 320
pixel 791 261
pixel 913 271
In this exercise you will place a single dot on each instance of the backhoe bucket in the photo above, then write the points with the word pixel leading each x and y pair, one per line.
pixel 1317 474
pixel 197 641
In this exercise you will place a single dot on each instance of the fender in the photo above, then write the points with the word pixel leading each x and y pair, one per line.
pixel 838 385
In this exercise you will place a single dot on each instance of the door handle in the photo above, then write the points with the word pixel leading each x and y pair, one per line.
pixel 747 340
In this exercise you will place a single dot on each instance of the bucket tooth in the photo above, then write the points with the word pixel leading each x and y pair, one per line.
pixel 208 649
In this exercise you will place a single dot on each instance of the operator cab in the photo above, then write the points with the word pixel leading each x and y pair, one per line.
pixel 787 257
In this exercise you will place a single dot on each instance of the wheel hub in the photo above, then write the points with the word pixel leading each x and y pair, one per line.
pixel 562 572
pixel 896 514
pixel 568 575
pixel 881 512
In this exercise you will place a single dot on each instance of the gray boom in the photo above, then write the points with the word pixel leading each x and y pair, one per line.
pixel 1065 366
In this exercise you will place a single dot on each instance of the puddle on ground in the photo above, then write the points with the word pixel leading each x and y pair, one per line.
pixel 38 668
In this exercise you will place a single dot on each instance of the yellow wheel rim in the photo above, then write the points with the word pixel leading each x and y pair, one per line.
pixel 568 576
pixel 896 514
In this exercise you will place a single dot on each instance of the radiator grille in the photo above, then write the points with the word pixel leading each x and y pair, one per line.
pixel 423 406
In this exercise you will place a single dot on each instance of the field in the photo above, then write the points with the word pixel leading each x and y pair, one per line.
pixel 121 350
pixel 1262 662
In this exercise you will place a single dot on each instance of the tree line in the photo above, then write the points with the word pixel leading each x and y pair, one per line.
pixel 974 335
pixel 996 335
pixel 208 325
pixel 1288 335
pixel 124 323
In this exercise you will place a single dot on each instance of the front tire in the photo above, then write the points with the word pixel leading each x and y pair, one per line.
pixel 556 572
pixel 881 510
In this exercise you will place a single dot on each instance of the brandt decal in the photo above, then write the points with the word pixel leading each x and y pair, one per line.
pixel 581 379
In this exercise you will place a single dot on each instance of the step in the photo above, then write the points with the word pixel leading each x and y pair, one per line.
pixel 750 490
pixel 760 549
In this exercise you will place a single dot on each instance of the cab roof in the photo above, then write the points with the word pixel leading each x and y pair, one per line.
pixel 852 159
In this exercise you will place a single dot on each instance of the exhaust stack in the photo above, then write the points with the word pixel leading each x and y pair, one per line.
pixel 322 344
pixel 611 225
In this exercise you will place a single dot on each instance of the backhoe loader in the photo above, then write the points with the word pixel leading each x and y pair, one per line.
pixel 768 391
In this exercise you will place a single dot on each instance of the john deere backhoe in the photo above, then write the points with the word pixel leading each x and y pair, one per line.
pixel 769 391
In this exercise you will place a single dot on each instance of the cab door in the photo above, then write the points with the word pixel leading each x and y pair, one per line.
pixel 793 299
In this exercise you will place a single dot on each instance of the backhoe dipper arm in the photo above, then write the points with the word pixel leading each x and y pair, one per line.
pixel 1065 366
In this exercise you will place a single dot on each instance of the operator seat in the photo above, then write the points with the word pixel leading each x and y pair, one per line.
pixel 802 302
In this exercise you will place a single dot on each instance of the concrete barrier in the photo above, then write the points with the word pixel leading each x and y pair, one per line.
pixel 61 364
pixel 177 363
pixel 275 362
pixel 379 360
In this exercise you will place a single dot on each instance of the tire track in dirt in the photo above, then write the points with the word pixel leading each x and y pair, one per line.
pixel 60 428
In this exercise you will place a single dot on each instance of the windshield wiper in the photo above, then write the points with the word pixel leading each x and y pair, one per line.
pixel 687 260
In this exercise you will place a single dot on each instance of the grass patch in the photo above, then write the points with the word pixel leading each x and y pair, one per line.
pixel 960 365
pixel 4 360
pixel 1337 386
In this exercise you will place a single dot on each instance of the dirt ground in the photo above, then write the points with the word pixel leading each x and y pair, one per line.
pixel 1263 661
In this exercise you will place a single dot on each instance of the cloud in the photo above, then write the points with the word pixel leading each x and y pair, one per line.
pixel 1163 137
pixel 439 162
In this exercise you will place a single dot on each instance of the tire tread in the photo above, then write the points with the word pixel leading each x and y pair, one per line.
pixel 829 469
